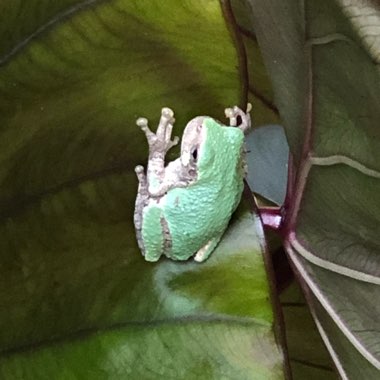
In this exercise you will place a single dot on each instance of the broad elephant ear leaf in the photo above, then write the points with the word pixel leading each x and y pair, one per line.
pixel 323 58
pixel 76 297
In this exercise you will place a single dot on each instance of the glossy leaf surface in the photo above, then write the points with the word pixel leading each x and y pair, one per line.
pixel 76 297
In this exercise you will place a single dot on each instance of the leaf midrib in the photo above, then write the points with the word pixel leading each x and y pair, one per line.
pixel 181 321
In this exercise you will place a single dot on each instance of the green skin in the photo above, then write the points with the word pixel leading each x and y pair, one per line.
pixel 197 215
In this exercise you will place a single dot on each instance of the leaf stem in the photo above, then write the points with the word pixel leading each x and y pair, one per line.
pixel 271 217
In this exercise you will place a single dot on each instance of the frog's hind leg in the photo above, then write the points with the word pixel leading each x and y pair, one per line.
pixel 204 252
pixel 153 233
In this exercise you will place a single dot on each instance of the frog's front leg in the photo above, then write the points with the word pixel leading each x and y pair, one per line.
pixel 159 144
pixel 233 113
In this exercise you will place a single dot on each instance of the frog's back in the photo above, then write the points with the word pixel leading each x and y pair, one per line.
pixel 191 224
pixel 203 209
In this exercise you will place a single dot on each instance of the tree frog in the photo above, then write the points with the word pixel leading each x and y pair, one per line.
pixel 183 209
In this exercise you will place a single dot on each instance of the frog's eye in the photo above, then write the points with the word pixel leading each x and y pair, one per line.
pixel 194 154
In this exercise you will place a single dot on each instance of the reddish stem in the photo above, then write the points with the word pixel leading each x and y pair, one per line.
pixel 271 217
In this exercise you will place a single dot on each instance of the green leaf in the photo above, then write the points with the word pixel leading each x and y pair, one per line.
pixel 183 350
pixel 171 319
pixel 353 364
pixel 308 356
pixel 76 297
pixel 323 58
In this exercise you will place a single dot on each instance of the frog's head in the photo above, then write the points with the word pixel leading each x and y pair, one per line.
pixel 209 147
pixel 204 140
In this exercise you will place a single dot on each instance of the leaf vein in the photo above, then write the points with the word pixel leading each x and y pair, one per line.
pixel 340 269
pixel 330 310
pixel 48 25
pixel 344 160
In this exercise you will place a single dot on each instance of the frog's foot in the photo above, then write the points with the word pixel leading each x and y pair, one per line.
pixel 235 112
pixel 206 250
pixel 160 142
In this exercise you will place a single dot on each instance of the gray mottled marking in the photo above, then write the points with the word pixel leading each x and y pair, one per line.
pixel 167 236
